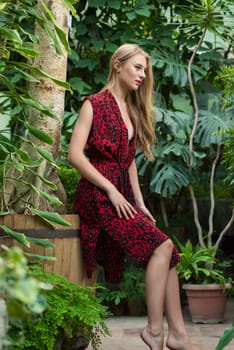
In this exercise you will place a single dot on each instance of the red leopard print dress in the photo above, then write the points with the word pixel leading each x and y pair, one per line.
pixel 107 239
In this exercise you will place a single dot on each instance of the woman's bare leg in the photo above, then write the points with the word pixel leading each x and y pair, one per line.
pixel 156 284
pixel 177 336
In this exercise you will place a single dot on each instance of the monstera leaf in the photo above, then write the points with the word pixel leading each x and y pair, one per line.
pixel 169 176
pixel 174 68
pixel 175 120
pixel 211 126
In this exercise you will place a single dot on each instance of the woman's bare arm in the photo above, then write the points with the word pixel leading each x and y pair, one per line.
pixel 76 154
pixel 137 190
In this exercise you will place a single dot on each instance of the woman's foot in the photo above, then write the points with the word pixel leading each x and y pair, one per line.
pixel 153 340
pixel 178 341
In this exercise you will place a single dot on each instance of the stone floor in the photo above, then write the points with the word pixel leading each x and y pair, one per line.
pixel 125 332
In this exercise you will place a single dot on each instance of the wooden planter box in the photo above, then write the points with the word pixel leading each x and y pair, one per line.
pixel 67 250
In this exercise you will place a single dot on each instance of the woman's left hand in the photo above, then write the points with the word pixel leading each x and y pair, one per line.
pixel 147 213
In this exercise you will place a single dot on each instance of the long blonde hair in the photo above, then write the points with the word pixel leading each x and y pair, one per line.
pixel 139 102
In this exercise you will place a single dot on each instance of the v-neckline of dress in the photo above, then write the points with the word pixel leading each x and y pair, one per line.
pixel 122 120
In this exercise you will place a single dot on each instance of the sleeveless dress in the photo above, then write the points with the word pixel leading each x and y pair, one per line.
pixel 106 239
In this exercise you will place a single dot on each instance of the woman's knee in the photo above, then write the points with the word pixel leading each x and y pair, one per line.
pixel 166 248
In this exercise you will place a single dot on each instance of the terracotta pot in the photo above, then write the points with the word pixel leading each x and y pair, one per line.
pixel 206 302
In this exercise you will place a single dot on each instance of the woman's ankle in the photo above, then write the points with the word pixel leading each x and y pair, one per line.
pixel 154 331
pixel 153 338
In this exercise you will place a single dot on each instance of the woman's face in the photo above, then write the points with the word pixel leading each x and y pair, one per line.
pixel 132 72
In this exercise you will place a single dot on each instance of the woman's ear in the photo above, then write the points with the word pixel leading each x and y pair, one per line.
pixel 117 66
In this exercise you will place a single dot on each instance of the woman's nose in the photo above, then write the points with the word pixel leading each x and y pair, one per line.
pixel 142 74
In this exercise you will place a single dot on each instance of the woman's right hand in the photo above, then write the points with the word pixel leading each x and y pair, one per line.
pixel 123 208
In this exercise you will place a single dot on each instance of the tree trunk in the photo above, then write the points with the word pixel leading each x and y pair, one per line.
pixel 51 95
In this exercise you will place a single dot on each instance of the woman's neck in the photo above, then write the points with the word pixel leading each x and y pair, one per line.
pixel 119 94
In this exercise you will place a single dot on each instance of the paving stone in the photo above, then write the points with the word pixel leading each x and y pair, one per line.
pixel 125 332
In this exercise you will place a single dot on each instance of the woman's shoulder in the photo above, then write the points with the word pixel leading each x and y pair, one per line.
pixel 98 96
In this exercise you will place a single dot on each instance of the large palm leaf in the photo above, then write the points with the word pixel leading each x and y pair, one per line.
pixel 211 126
pixel 169 176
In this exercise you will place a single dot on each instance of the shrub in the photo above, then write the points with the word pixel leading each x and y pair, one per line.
pixel 72 313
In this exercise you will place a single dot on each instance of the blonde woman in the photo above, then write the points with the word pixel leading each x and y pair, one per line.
pixel 115 222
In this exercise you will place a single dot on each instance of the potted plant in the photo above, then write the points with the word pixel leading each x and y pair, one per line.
pixel 204 282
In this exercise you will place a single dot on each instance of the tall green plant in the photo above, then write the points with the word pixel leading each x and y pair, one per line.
pixel 19 49
pixel 169 32
pixel 188 41
pixel 207 15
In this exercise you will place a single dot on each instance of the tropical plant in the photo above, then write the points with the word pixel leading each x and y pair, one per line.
pixel 201 136
pixel 226 79
pixel 170 41
pixel 209 124
pixel 72 316
pixel 189 42
pixel 194 266
pixel 30 143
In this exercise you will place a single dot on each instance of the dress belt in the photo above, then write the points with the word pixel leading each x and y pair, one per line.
pixel 124 177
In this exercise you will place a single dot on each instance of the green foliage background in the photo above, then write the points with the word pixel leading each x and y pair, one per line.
pixel 169 31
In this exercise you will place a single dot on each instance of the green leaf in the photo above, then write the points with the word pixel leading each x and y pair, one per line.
pixel 51 218
pixel 18 236
pixel 226 338
pixel 210 127
pixel 41 73
pixel 40 134
pixel 115 4
pixel 53 200
pixel 47 155
pixel 11 34
pixel 169 176
pixel 97 3
pixel 63 39
pixel 26 75
pixel 22 154
pixel 40 257
pixel 173 148
pixel 2 6
pixel 25 290
pixel 43 242
pixel 34 164
pixel 175 120
pixel 17 164
pixel 144 11
pixel 70 7
pixel 79 85
pixel 45 181
pixel 172 66
pixel 39 305
pixel 37 105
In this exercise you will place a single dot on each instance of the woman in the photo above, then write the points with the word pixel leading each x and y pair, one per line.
pixel 115 222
